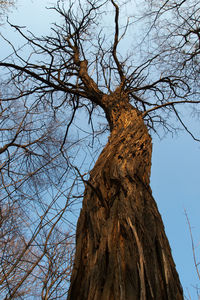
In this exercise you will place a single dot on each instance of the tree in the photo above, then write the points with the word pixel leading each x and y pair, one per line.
pixel 35 250
pixel 122 251
pixel 5 5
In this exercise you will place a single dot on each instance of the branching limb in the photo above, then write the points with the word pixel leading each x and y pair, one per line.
pixel 171 103
pixel 116 42
pixel 193 247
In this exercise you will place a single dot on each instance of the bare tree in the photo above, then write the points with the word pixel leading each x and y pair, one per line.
pixel 5 7
pixel 122 251
pixel 34 204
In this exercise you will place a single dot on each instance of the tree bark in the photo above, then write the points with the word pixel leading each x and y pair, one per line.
pixel 122 252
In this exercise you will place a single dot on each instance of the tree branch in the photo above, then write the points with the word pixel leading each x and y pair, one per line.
pixel 116 42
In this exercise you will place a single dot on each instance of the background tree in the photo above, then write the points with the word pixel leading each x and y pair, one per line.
pixel 36 252
pixel 5 6
pixel 122 251
pixel 35 245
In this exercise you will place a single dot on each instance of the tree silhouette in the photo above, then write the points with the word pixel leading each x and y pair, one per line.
pixel 122 251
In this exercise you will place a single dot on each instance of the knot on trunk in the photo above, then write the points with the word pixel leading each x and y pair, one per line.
pixel 119 112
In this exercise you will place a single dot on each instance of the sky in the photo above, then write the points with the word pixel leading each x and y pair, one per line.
pixel 175 187
pixel 175 176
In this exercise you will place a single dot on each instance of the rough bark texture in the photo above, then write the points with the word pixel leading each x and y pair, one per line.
pixel 122 252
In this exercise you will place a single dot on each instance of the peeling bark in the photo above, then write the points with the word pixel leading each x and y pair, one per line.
pixel 122 252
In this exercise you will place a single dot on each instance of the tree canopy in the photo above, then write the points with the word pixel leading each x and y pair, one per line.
pixel 5 6
pixel 148 51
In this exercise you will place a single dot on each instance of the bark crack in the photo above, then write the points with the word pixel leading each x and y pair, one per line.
pixel 141 263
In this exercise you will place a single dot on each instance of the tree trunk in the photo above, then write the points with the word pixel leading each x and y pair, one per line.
pixel 122 252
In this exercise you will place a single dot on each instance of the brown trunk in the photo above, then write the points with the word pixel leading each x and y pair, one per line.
pixel 122 252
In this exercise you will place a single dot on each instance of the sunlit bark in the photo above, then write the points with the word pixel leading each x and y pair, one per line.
pixel 122 251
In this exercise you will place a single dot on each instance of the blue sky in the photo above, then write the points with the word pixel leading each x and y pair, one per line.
pixel 175 186
pixel 175 166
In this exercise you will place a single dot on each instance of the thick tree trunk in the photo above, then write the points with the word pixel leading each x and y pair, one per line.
pixel 122 252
